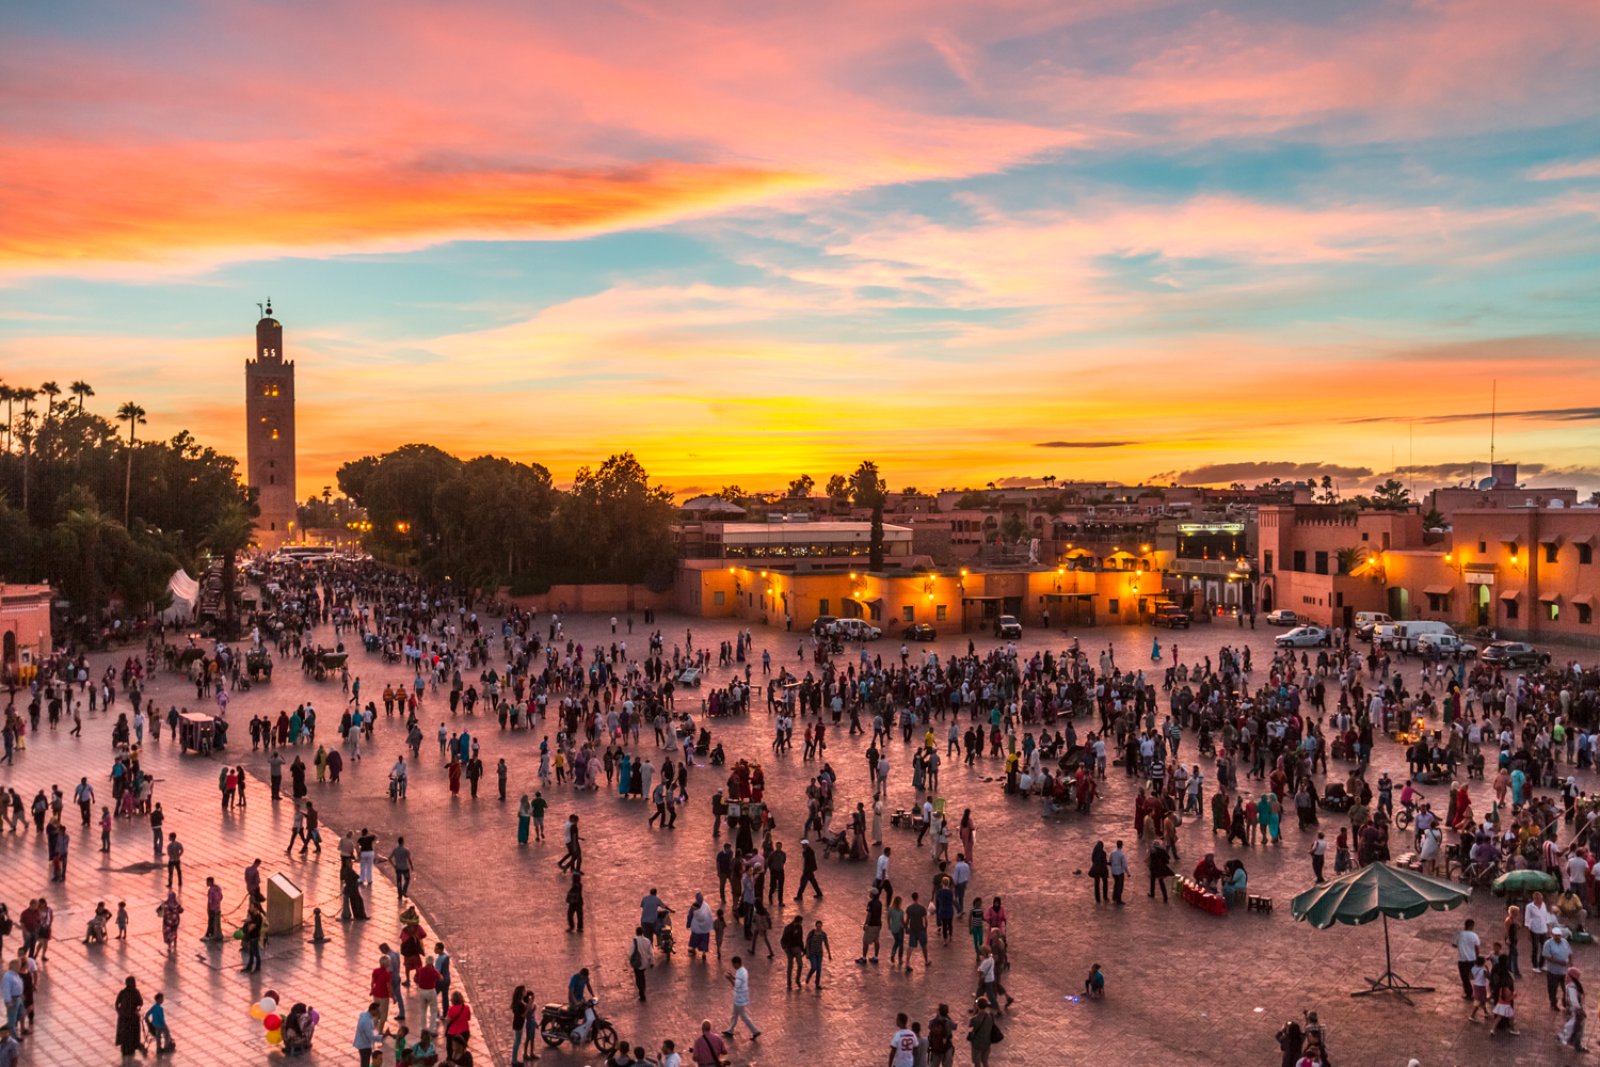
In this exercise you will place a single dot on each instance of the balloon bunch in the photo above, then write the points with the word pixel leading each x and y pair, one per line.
pixel 266 1010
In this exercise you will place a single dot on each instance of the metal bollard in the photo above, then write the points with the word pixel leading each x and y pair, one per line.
pixel 317 936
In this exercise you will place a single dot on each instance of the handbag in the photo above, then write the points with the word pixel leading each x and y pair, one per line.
pixel 996 1035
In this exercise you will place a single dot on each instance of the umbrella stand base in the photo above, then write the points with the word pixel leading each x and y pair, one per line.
pixel 1389 982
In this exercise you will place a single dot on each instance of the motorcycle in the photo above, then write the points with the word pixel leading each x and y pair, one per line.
pixel 664 933
pixel 563 1022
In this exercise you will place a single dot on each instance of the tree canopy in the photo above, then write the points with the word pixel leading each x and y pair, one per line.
pixel 492 520
pixel 69 476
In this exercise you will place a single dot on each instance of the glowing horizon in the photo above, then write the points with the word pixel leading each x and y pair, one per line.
pixel 971 241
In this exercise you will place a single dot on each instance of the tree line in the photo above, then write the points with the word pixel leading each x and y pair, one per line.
pixel 492 521
pixel 89 506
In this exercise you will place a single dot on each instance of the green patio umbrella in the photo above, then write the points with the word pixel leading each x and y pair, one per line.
pixel 1526 881
pixel 1378 890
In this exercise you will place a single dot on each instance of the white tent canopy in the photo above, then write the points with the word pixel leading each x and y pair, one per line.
pixel 185 596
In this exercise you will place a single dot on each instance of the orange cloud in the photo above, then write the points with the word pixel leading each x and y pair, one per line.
pixel 192 200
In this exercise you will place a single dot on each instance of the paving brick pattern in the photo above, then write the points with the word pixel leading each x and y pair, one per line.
pixel 207 997
pixel 1184 987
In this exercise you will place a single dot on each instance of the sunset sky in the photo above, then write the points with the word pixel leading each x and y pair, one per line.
pixel 747 240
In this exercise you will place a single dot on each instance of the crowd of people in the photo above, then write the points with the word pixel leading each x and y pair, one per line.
pixel 1221 736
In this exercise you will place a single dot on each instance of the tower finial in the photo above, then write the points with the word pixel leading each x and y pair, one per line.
pixel 269 305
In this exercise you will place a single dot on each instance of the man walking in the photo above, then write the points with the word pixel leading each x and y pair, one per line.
pixel 1119 872
pixel 640 957
pixel 174 860
pixel 400 860
pixel 739 978
pixel 808 872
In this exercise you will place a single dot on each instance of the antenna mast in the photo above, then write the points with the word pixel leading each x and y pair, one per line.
pixel 1494 394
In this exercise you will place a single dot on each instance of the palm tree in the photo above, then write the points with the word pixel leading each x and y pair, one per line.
pixel 26 396
pixel 133 415
pixel 50 390
pixel 86 528
pixel 9 395
pixel 81 390
pixel 232 532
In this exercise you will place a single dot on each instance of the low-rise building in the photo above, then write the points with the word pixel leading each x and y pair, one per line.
pixel 25 633
pixel 1524 573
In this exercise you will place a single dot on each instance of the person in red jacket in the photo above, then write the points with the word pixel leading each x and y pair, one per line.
pixel 457 1026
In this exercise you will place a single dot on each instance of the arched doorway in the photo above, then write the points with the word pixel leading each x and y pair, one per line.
pixel 1266 598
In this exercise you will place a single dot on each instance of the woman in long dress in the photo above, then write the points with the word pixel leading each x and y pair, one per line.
pixel 624 768
pixel 877 821
pixel 968 836
pixel 169 910
pixel 129 1038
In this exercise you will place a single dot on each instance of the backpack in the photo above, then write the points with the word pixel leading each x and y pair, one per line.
pixel 939 1033
pixel 636 958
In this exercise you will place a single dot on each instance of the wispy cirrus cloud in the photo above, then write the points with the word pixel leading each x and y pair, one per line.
pixel 1559 172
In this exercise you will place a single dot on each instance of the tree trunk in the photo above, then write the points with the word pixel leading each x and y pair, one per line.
pixel 875 543
pixel 127 482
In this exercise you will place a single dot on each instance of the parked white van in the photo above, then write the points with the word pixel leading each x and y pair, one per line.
pixel 1368 621
pixel 856 630
pixel 1404 634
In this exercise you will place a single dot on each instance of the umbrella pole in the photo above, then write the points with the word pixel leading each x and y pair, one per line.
pixel 1389 982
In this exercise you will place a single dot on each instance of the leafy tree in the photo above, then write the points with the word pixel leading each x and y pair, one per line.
pixel 82 539
pixel 1013 527
pixel 1434 520
pixel 615 526
pixel 231 533
pixel 838 489
pixel 868 489
pixel 495 520
pixel 354 476
pixel 801 487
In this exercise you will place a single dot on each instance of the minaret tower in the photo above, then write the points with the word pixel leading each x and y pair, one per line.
pixel 269 434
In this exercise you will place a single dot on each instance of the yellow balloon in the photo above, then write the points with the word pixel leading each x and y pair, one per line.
pixel 274 1037
pixel 256 1012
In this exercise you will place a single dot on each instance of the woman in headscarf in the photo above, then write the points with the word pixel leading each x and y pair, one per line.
pixel 169 910
pixel 129 1037
pixel 524 819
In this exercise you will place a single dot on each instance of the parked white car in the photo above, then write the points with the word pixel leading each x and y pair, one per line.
pixel 1445 645
pixel 1282 617
pixel 1304 637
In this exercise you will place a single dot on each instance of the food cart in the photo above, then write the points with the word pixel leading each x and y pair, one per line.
pixel 198 733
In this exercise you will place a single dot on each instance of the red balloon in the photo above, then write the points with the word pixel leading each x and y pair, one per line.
pixel 272 1022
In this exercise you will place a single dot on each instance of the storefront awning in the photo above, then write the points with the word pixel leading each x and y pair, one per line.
pixel 1550 539
pixel 1586 599
pixel 1549 598
pixel 1511 594
pixel 1439 590
pixel 1509 538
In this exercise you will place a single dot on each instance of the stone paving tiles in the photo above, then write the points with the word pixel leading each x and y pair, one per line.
pixel 207 998
pixel 1184 987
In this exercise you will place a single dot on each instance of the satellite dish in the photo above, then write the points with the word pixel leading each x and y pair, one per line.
pixel 1488 483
